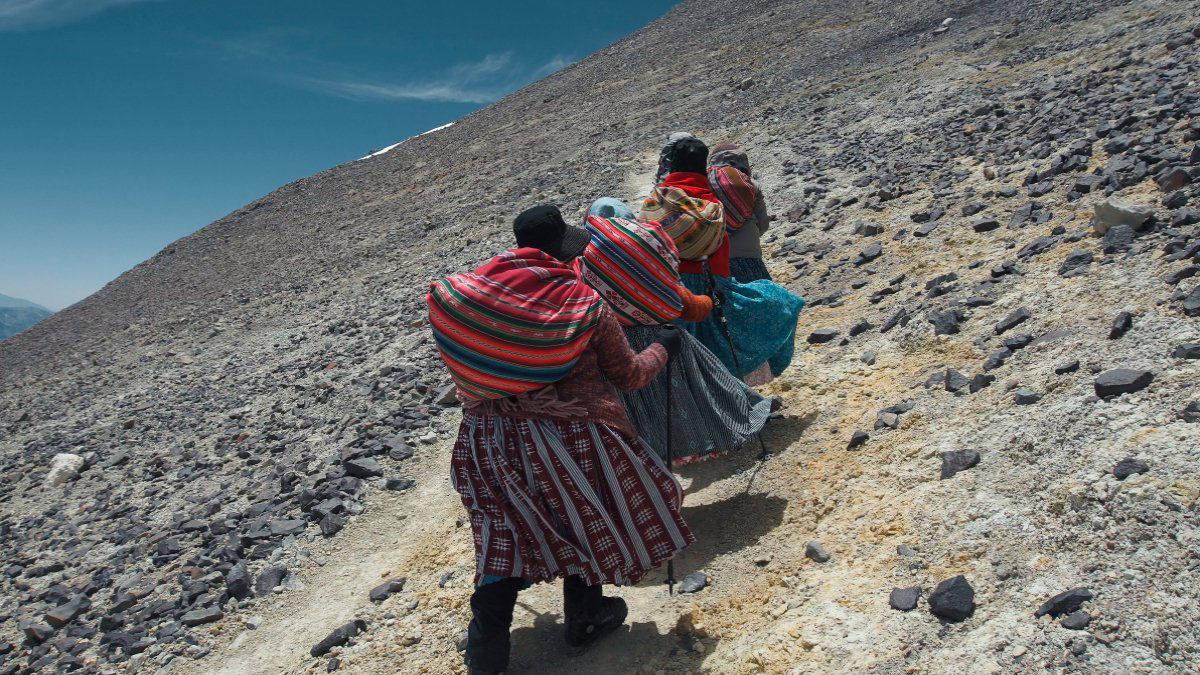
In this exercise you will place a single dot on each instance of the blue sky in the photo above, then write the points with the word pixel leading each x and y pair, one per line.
pixel 128 124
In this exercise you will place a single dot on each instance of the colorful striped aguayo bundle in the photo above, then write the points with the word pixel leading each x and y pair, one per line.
pixel 697 225
pixel 736 192
pixel 515 325
pixel 635 268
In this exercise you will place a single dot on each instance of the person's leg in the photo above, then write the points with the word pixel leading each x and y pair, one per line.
pixel 587 613
pixel 491 619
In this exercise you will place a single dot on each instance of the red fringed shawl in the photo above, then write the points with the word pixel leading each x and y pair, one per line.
pixel 515 325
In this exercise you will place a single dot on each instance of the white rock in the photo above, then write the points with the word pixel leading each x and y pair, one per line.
pixel 64 467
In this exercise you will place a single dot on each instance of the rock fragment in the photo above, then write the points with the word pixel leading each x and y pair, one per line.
pixel 1026 396
pixel 857 439
pixel 1076 620
pixel 1187 350
pixel 1120 325
pixel 815 551
pixel 955 461
pixel 1016 318
pixel 64 467
pixel 386 589
pixel 694 583
pixel 199 617
pixel 953 599
pixel 1112 212
pixel 340 636
pixel 822 335
pixel 1064 603
pixel 1122 381
pixel 1130 466
pixel 904 599
pixel 268 579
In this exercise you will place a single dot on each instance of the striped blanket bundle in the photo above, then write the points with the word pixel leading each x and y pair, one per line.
pixel 514 325
pixel 696 225
pixel 635 267
pixel 736 192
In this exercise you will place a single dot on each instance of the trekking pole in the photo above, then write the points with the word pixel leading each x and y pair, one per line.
pixel 670 470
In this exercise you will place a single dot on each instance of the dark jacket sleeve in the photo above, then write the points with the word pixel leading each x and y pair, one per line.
pixel 760 214
pixel 623 367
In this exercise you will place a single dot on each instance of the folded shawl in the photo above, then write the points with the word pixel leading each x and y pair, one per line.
pixel 514 325
pixel 634 266
pixel 695 224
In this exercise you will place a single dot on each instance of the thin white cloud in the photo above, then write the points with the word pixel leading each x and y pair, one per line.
pixel 277 43
pixel 484 81
pixel 33 14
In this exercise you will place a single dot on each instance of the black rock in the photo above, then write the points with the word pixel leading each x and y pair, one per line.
pixel 332 524
pixel 384 591
pixel 955 380
pixel 986 225
pixel 904 599
pixel 333 665
pixel 399 484
pixel 1120 325
pixel 1017 342
pixel 199 617
pixel 693 583
pixel 945 322
pixel 237 581
pixel 822 336
pixel 868 254
pixel 1016 318
pixel 268 579
pixel 1075 263
pixel 66 613
pixel 338 637
pixel 1179 275
pixel 973 208
pixel 1122 381
pixel 1191 304
pixel 996 358
pixel 1129 466
pixel 37 633
pixel 1187 350
pixel 1118 238
pixel 364 467
pixel 958 460
pixel 861 327
pixel 1026 396
pixel 1190 412
pixel 813 550
pixel 1068 367
pixel 1076 620
pixel 953 599
pixel 980 381
pixel 857 439
pixel 1064 603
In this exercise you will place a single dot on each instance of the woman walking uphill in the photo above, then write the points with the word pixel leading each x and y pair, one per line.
pixel 549 468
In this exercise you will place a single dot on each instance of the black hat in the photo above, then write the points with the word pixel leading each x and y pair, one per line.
pixel 690 155
pixel 543 227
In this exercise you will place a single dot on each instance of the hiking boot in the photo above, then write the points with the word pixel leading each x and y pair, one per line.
pixel 583 632
pixel 488 642
pixel 588 614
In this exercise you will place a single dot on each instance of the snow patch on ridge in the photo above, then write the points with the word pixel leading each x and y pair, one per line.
pixel 393 145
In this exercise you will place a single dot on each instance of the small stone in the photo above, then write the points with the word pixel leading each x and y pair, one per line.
pixel 1076 620
pixel 399 484
pixel 64 614
pixel 1187 350
pixel 1075 263
pixel 1120 325
pixel 955 461
pixel 1065 602
pixel 333 664
pixel 986 225
pixel 904 599
pixel 955 380
pixel 1016 318
pixel 1122 381
pixel 338 637
pixel 953 599
pixel 268 579
pixel 1129 466
pixel 1026 396
pixel 37 633
pixel 1079 647
pixel 822 336
pixel 386 589
pixel 813 550
pixel 237 581
pixel 1068 367
pixel 332 524
pixel 199 617
pixel 945 322
pixel 857 439
pixel 1112 212
pixel 868 358
pixel 64 467
pixel 1118 239
pixel 1190 412
pixel 980 381
pixel 693 583
pixel 887 420
pixel 363 467
pixel 869 254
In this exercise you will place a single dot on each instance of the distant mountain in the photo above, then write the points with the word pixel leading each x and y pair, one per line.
pixel 7 301
pixel 16 315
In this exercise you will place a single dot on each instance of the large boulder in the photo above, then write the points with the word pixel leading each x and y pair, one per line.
pixel 64 467
pixel 1112 212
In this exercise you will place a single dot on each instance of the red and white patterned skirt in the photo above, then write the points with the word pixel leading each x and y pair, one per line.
pixel 552 498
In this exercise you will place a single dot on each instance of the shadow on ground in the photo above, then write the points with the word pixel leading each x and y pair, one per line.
pixel 540 648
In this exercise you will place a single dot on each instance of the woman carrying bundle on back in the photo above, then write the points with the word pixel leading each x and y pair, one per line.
pixel 548 466
pixel 746 217
pixel 753 325
pixel 634 266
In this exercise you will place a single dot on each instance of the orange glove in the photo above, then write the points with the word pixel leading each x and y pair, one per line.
pixel 695 307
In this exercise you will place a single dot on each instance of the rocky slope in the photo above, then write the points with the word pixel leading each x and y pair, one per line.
pixel 989 216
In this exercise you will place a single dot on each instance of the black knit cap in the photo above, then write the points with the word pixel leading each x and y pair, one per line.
pixel 691 156
pixel 542 227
